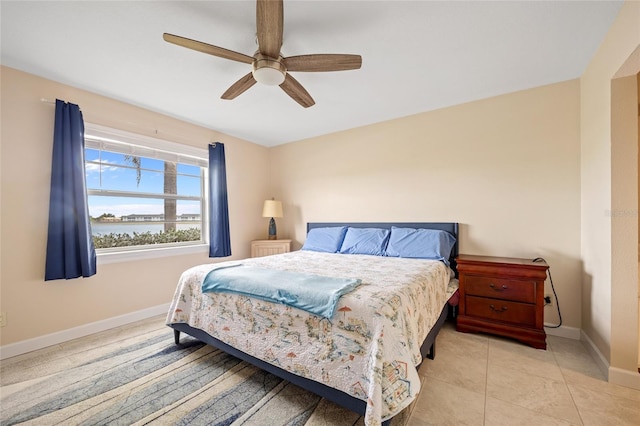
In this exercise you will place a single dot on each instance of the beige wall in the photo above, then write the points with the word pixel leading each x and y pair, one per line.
pixel 624 225
pixel 35 308
pixel 605 249
pixel 506 168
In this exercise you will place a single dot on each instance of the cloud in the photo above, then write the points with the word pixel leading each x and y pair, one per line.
pixel 96 168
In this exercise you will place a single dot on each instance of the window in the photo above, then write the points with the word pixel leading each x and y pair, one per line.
pixel 143 192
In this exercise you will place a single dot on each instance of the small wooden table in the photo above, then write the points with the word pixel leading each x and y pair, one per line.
pixel 261 248
pixel 503 296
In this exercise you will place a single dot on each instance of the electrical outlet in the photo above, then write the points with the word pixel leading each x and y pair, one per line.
pixel 3 319
pixel 547 299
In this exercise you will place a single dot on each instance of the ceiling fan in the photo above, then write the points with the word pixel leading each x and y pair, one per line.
pixel 269 66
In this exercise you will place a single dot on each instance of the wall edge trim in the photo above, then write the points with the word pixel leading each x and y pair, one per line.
pixel 24 346
pixel 563 331
pixel 626 378
pixel 595 353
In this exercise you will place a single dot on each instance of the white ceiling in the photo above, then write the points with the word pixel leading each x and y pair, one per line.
pixel 416 56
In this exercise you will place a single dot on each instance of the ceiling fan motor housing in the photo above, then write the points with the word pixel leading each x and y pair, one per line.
pixel 269 71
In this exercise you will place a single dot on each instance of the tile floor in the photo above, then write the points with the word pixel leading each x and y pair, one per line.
pixel 478 379
pixel 475 379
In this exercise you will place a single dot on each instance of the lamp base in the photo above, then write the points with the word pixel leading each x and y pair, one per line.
pixel 272 230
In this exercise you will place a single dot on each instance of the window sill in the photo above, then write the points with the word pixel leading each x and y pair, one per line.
pixel 153 253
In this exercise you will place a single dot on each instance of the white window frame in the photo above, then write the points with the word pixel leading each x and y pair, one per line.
pixel 146 146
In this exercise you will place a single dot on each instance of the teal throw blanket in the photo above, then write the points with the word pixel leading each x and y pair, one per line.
pixel 312 293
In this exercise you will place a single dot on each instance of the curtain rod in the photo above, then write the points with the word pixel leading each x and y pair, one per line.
pixel 170 136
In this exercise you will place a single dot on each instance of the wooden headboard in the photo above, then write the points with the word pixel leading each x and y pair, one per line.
pixel 450 227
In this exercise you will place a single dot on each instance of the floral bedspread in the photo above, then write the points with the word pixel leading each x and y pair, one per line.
pixel 368 349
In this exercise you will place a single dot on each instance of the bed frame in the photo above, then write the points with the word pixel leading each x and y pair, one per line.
pixel 341 398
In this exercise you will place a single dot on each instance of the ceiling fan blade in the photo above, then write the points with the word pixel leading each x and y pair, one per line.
pixel 207 48
pixel 269 24
pixel 297 92
pixel 239 87
pixel 323 62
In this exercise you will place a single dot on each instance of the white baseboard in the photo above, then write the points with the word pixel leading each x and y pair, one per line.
pixel 626 378
pixel 40 342
pixel 601 361
pixel 563 331
pixel 618 376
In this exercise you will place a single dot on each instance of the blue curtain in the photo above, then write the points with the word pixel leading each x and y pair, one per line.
pixel 70 250
pixel 219 239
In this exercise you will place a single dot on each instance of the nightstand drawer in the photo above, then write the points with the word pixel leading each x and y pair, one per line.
pixel 515 290
pixel 522 314
pixel 261 248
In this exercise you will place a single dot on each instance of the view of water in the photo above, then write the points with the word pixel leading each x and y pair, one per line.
pixel 105 228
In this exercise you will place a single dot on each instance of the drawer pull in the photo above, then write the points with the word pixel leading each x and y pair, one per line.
pixel 493 308
pixel 501 288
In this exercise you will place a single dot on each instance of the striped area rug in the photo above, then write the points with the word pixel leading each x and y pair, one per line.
pixel 150 380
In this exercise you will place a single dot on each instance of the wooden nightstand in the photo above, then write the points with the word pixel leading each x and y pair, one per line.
pixel 261 248
pixel 503 296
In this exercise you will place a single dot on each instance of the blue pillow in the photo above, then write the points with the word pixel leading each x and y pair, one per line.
pixel 365 241
pixel 326 240
pixel 420 243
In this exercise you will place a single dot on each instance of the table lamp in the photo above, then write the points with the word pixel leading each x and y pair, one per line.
pixel 272 208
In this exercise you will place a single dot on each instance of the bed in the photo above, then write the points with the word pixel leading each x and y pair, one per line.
pixel 366 354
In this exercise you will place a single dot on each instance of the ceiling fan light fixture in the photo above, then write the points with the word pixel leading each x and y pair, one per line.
pixel 268 76
pixel 268 71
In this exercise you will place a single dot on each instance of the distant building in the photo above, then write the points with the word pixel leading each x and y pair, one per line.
pixel 143 218
pixel 159 218
pixel 108 219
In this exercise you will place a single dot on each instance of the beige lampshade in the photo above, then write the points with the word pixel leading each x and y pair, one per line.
pixel 272 208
